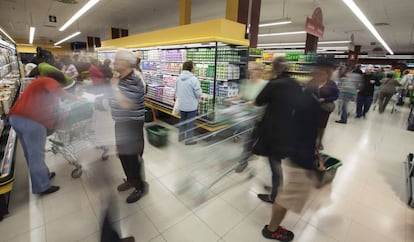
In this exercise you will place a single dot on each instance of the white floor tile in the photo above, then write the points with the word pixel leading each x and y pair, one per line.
pixel 219 216
pixel 72 227
pixel 139 226
pixel 361 233
pixel 191 229
pixel 34 235
pixel 166 212
pixel 246 231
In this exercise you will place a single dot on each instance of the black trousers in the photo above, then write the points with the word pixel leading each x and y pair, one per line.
pixel 130 146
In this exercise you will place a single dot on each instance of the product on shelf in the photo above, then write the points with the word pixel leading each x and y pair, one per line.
pixel 169 80
pixel 168 95
pixel 205 104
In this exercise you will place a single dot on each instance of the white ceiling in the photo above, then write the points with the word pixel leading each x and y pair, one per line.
pixel 16 16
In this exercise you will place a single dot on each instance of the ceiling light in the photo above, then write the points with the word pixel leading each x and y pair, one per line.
pixel 69 37
pixel 283 47
pixel 78 14
pixel 357 11
pixel 302 43
pixel 334 48
pixel 7 35
pixel 31 34
pixel 282 33
pixel 276 22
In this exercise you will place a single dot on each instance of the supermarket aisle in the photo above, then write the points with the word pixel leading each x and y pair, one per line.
pixel 365 203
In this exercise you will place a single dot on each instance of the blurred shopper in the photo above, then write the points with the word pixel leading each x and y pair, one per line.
pixel 387 90
pixel 107 70
pixel 69 68
pixel 288 129
pixel 128 112
pixel 43 69
pixel 358 70
pixel 326 91
pixel 405 82
pixel 348 89
pixel 248 93
pixel 97 83
pixel 187 92
pixel 366 92
pixel 274 132
pixel 140 74
pixel 33 116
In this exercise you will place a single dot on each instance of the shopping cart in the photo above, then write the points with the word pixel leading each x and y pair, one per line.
pixel 217 151
pixel 75 131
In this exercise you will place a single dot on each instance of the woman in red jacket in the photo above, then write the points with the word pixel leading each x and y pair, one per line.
pixel 31 116
pixel 97 77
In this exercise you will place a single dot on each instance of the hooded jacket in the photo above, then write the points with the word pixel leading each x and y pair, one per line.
pixel 187 91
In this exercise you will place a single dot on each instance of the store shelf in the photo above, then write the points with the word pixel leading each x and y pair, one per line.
pixel 300 72
pixel 300 62
pixel 256 56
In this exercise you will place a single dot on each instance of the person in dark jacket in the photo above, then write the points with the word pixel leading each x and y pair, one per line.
pixel 326 91
pixel 366 92
pixel 288 130
pixel 388 86
pixel 128 111
pixel 274 132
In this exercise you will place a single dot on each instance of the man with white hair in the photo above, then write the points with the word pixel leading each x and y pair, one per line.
pixel 128 112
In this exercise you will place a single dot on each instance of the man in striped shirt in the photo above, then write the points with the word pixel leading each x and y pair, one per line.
pixel 127 108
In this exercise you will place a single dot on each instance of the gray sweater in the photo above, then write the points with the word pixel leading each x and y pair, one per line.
pixel 188 91
pixel 388 85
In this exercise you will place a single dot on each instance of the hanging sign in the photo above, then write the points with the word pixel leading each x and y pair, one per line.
pixel 314 25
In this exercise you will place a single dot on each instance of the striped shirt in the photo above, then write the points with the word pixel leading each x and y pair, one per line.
pixel 131 87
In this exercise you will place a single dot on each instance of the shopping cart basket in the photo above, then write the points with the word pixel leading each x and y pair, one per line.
pixel 75 131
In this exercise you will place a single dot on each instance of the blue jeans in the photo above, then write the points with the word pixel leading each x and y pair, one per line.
pixel 363 105
pixel 344 108
pixel 277 175
pixel 32 136
pixel 186 128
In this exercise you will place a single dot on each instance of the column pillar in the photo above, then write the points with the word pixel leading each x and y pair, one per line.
pixel 311 43
pixel 353 55
pixel 185 12
pixel 232 10
pixel 254 22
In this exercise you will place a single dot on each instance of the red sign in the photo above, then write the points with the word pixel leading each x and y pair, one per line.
pixel 314 25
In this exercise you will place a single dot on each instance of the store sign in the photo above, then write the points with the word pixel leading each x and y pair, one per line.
pixel 314 25
pixel 377 52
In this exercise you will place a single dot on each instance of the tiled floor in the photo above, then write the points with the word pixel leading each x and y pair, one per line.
pixel 366 201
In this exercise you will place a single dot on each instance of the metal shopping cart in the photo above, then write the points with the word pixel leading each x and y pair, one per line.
pixel 217 151
pixel 75 131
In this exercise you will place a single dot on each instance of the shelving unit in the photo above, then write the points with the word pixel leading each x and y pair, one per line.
pixel 217 47
pixel 9 91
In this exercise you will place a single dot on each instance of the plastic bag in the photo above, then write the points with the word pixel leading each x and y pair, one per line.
pixel 176 109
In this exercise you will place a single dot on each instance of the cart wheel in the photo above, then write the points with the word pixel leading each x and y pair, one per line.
pixel 236 136
pixel 76 173
pixel 54 150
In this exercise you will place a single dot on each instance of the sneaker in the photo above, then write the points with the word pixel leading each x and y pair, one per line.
pixel 124 186
pixel 134 196
pixel 265 198
pixel 128 239
pixel 280 234
pixel 51 189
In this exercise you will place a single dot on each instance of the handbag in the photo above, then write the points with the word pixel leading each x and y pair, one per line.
pixel 176 109
pixel 328 107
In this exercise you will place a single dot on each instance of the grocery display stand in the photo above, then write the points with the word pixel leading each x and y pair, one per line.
pixel 9 90
pixel 217 48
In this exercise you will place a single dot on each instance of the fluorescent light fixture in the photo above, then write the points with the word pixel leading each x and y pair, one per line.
pixel 69 37
pixel 276 22
pixel 78 14
pixel 357 11
pixel 334 48
pixel 282 33
pixel 31 34
pixel 285 46
pixel 302 43
pixel 7 35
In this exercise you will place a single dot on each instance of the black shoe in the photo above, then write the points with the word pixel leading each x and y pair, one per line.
pixel 51 189
pixel 128 239
pixel 190 142
pixel 52 175
pixel 358 116
pixel 280 234
pixel 134 196
pixel 340 122
pixel 265 198
pixel 124 186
